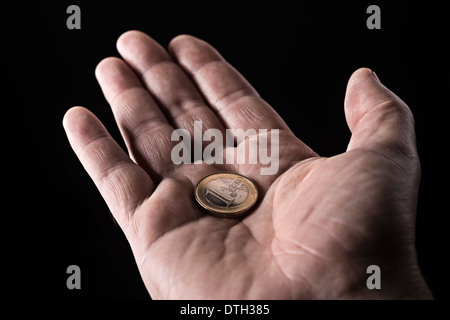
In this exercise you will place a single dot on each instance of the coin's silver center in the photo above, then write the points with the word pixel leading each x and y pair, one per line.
pixel 226 192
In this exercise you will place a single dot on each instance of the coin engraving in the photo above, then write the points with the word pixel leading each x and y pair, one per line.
pixel 226 192
pixel 226 195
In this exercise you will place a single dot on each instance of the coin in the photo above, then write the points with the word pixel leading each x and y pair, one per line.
pixel 226 195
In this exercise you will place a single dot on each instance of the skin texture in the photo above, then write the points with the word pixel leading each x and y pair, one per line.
pixel 319 223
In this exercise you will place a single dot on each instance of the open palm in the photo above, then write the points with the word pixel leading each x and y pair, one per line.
pixel 319 223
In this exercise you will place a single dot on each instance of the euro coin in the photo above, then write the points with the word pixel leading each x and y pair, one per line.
pixel 226 195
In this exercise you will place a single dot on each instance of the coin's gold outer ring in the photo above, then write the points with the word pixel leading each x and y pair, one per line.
pixel 231 212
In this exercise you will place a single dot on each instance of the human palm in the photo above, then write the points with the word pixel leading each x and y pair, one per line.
pixel 319 222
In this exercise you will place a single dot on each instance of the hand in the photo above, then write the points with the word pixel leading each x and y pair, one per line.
pixel 320 222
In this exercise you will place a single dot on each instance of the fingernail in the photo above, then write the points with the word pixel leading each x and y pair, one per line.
pixel 375 75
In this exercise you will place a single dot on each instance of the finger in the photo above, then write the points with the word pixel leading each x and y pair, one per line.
pixel 377 118
pixel 122 183
pixel 167 82
pixel 235 101
pixel 143 125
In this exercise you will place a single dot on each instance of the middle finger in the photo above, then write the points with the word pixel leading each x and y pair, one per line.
pixel 167 82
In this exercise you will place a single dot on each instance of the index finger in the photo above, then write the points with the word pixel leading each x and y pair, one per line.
pixel 234 100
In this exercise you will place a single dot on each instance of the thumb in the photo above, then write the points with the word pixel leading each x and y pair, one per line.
pixel 378 119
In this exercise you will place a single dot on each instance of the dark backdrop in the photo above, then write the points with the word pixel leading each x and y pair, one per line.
pixel 298 55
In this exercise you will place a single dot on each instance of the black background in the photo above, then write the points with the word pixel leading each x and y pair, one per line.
pixel 297 54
